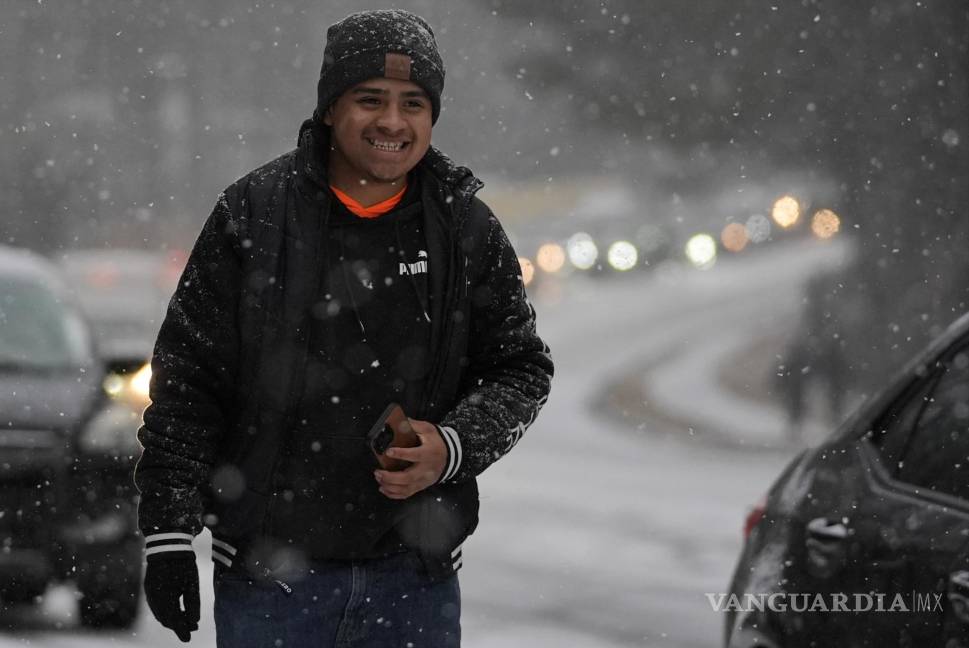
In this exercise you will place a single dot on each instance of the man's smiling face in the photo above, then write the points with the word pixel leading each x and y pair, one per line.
pixel 380 129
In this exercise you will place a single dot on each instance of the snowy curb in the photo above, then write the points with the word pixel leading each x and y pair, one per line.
pixel 687 389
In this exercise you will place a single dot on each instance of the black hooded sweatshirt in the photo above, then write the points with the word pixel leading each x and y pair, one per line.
pixel 369 344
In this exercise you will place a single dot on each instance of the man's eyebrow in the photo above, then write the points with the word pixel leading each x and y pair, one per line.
pixel 381 91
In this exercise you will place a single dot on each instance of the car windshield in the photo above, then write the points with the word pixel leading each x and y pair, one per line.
pixel 37 330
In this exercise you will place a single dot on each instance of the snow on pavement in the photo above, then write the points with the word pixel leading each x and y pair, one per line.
pixel 687 391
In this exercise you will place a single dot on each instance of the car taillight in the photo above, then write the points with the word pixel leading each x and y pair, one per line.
pixel 754 516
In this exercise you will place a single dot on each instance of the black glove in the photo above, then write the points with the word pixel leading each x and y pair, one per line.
pixel 168 577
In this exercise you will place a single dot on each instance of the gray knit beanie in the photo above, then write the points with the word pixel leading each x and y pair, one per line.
pixel 387 43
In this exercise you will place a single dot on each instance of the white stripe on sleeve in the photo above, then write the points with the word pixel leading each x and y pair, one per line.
pixel 166 548
pixel 225 546
pixel 155 537
pixel 222 559
pixel 453 442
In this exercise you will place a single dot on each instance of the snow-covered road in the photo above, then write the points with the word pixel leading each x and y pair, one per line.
pixel 593 533
pixel 596 534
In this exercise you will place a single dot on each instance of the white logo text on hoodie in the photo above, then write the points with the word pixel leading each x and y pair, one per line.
pixel 415 268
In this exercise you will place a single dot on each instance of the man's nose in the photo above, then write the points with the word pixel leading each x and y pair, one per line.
pixel 391 119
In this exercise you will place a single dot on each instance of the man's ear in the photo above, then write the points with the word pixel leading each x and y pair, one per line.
pixel 328 116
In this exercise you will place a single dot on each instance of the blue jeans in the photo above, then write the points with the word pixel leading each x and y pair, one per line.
pixel 381 603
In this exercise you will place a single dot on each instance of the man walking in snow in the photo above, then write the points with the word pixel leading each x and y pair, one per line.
pixel 356 271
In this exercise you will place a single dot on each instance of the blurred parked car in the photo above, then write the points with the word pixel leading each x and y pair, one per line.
pixel 67 503
pixel 876 516
pixel 124 294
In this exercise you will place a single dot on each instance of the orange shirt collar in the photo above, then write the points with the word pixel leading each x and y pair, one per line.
pixel 373 210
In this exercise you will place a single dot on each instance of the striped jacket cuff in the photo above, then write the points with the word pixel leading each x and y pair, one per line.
pixel 223 552
pixel 158 543
pixel 457 559
pixel 453 444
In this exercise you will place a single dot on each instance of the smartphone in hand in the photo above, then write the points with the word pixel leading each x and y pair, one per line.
pixel 386 433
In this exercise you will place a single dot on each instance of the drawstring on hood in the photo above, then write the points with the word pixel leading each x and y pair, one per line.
pixel 346 283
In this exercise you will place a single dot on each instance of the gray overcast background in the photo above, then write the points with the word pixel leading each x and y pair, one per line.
pixel 121 121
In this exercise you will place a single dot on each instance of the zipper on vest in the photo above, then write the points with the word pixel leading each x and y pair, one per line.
pixel 446 334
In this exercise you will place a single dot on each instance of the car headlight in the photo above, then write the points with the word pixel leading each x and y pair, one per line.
pixel 140 381
pixel 701 250
pixel 550 257
pixel 622 256
pixel 130 388
pixel 582 251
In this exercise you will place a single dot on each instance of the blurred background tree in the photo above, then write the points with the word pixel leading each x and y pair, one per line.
pixel 120 120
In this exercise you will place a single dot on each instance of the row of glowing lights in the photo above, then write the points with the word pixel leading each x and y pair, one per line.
pixel 786 213
pixel 701 250
pixel 582 252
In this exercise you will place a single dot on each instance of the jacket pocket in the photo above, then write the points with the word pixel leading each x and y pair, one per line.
pixel 442 518
pixel 331 506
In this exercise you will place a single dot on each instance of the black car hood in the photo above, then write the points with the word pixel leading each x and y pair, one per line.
pixel 47 400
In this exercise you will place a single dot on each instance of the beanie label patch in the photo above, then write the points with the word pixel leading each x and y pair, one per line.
pixel 397 66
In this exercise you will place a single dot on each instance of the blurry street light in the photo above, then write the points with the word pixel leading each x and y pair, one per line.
pixel 528 270
pixel 550 257
pixel 701 250
pixel 825 224
pixel 622 256
pixel 734 237
pixel 786 211
pixel 582 251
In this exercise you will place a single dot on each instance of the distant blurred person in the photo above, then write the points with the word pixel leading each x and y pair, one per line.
pixel 356 271
pixel 815 355
pixel 791 384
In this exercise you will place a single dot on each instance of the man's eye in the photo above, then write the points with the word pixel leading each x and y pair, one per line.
pixel 369 100
pixel 415 104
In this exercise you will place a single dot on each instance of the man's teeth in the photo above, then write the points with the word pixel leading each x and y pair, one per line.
pixel 386 146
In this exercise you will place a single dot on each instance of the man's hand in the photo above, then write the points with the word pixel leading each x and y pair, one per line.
pixel 172 591
pixel 427 462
